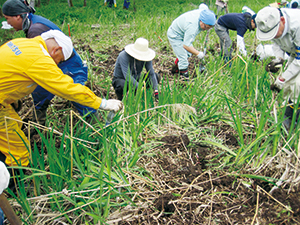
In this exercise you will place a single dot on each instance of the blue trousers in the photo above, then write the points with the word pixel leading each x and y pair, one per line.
pixel 177 45
pixel 79 73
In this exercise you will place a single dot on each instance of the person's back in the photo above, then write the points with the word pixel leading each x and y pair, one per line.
pixel 234 21
pixel 181 24
pixel 39 25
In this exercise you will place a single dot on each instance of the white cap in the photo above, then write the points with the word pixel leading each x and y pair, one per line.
pixel 140 50
pixel 62 40
pixel 267 21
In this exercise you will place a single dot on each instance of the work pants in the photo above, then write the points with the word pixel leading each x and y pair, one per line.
pixel 177 45
pixel 12 138
pixel 225 41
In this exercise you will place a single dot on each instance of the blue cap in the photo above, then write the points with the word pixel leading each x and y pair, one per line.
pixel 208 17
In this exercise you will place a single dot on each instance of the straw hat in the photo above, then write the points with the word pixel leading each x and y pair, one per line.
pixel 140 50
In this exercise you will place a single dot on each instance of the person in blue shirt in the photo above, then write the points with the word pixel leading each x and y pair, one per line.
pixel 239 22
pixel 183 31
pixel 21 17
pixel 129 66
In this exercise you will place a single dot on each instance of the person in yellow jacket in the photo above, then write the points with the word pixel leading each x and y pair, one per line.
pixel 26 63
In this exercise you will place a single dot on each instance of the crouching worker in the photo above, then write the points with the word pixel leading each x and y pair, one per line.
pixel 239 22
pixel 282 27
pixel 129 66
pixel 182 33
pixel 21 16
pixel 26 63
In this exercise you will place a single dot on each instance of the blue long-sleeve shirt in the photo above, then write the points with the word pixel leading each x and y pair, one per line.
pixel 234 21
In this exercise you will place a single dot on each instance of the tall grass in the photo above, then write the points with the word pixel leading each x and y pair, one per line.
pixel 102 158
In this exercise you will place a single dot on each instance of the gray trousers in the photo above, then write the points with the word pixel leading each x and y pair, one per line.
pixel 225 41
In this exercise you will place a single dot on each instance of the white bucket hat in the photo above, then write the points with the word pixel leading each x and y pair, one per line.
pixel 62 40
pixel 140 50
pixel 267 21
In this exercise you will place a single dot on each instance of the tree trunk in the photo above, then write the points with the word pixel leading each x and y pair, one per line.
pixel 70 3
pixel 38 3
pixel 84 2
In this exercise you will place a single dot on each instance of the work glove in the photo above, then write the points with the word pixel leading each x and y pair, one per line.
pixel 274 65
pixel 4 177
pixel 111 105
pixel 200 55
pixel 278 84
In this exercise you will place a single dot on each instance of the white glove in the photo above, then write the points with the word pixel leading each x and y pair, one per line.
pixel 111 105
pixel 200 55
pixel 241 45
pixel 278 84
pixel 4 177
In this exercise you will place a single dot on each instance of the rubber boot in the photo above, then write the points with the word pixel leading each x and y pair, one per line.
pixel 175 67
pixel 184 74
pixel 288 116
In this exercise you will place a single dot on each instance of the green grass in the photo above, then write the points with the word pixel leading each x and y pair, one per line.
pixel 93 168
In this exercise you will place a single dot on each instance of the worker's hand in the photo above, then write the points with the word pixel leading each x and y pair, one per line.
pixel 111 105
pixel 278 84
pixel 274 65
pixel 17 105
pixel 4 177
pixel 200 55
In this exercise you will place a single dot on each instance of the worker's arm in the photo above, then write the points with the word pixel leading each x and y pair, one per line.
pixel 45 73
pixel 189 38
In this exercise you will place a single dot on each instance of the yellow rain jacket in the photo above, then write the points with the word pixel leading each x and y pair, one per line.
pixel 24 64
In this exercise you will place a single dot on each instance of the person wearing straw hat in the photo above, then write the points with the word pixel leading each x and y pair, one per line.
pixel 21 16
pixel 182 33
pixel 239 22
pixel 129 66
pixel 283 28
pixel 26 63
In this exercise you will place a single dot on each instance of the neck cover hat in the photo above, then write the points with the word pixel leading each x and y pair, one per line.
pixel 62 40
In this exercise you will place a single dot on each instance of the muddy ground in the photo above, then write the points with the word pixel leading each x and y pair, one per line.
pixel 189 185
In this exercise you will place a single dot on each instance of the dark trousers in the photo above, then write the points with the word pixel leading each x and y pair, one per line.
pixel 119 84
